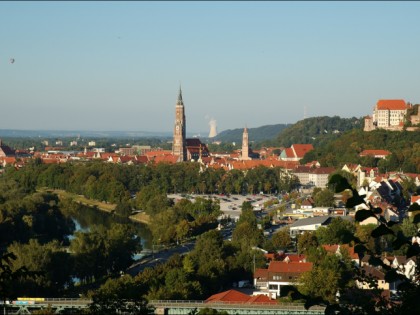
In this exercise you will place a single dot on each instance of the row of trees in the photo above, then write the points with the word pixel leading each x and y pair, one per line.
pixel 115 183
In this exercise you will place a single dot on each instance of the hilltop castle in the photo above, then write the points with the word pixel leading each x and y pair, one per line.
pixel 390 115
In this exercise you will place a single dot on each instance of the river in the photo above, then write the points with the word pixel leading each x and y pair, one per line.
pixel 85 217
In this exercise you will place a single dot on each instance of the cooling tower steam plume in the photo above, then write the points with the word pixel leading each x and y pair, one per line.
pixel 213 128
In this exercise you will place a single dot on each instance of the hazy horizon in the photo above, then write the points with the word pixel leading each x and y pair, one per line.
pixel 118 66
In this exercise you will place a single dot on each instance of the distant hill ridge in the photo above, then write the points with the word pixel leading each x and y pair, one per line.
pixel 310 130
pixel 263 133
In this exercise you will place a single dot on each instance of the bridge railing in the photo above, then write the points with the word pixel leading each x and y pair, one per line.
pixel 203 304
pixel 53 301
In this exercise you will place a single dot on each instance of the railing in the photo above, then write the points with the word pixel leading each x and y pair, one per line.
pixel 52 301
pixel 259 305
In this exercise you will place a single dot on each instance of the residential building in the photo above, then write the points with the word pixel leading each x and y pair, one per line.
pixel 142 149
pixel 309 224
pixel 296 152
pixel 278 274
pixel 377 154
pixel 403 265
pixel 343 249
pixel 376 274
pixel 127 151
pixel 317 177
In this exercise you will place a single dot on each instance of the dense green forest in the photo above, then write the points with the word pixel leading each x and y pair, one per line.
pixel 403 145
pixel 317 130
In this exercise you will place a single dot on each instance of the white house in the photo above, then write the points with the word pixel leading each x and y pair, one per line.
pixel 309 224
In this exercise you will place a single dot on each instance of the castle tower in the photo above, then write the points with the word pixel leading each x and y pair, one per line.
pixel 245 145
pixel 178 146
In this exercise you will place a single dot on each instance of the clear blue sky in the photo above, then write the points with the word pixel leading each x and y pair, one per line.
pixel 118 65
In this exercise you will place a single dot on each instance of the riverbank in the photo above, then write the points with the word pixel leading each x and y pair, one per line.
pixel 102 206
pixel 140 217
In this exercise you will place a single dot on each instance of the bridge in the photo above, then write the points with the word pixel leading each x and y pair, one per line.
pixel 189 307
pixel 58 305
pixel 162 307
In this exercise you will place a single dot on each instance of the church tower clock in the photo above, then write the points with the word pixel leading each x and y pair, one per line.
pixel 179 144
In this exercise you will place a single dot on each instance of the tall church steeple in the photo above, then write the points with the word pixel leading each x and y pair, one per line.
pixel 179 144
pixel 179 101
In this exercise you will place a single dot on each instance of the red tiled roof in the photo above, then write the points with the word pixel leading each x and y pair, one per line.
pixel 261 273
pixel 343 247
pixel 228 296
pixel 142 159
pixel 295 258
pixel 374 152
pixel 289 152
pixel 323 170
pixel 125 159
pixel 281 266
pixel 261 299
pixel 302 169
pixel 157 153
pixel 302 149
pixel 166 159
pixel 391 105
pixel 8 160
pixel 249 164
pixel 236 296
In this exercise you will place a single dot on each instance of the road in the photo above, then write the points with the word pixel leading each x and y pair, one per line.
pixel 159 257
pixel 229 205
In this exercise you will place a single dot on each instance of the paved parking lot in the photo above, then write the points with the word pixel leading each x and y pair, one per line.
pixel 231 204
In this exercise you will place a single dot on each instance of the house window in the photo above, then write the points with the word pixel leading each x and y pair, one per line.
pixel 273 287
